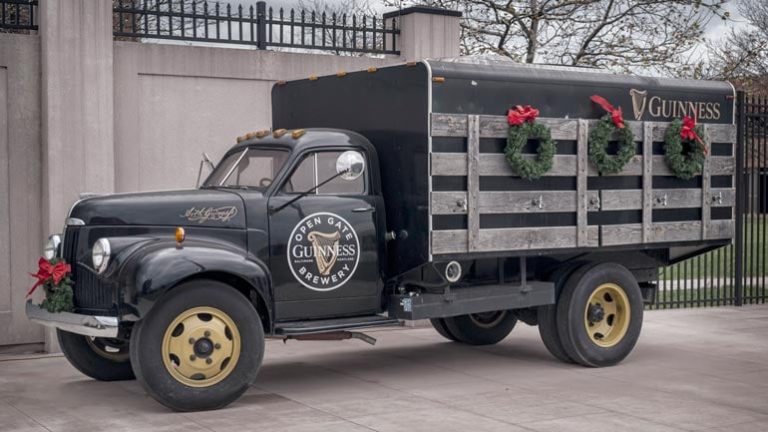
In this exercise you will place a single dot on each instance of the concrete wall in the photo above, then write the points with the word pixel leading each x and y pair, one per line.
pixel 174 102
pixel 20 183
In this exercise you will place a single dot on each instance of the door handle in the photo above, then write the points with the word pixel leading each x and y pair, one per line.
pixel 362 210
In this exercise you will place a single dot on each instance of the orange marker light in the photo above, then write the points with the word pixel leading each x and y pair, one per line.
pixel 180 235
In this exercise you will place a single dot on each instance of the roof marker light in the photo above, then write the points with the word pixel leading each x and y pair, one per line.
pixel 279 133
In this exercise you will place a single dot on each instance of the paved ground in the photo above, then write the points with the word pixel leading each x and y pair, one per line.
pixel 704 369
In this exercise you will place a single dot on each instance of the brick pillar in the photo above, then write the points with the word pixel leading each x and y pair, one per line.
pixel 77 106
pixel 426 32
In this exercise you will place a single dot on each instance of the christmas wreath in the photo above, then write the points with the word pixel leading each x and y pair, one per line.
pixel 522 127
pixel 601 134
pixel 53 276
pixel 684 150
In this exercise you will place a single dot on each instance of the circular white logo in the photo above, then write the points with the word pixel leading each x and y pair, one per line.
pixel 323 251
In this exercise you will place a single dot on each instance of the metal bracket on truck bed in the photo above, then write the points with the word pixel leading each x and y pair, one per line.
pixel 467 300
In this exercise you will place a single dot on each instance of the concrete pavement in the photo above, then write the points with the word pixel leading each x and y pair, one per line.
pixel 696 369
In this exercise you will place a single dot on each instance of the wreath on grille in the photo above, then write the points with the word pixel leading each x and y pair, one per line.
pixel 601 135
pixel 522 127
pixel 684 150
pixel 53 276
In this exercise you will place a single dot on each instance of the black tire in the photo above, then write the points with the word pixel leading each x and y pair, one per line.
pixel 574 314
pixel 99 358
pixel 481 329
pixel 442 329
pixel 199 299
pixel 547 316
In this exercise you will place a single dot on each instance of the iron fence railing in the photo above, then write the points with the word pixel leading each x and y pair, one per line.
pixel 738 273
pixel 18 15
pixel 256 25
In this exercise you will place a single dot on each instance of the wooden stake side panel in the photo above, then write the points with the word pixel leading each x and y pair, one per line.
pixel 477 204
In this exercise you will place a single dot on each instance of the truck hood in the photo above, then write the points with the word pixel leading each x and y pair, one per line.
pixel 195 207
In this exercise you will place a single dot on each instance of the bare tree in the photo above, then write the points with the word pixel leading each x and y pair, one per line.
pixel 623 35
pixel 742 56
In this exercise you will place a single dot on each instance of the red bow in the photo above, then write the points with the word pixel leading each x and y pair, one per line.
pixel 47 271
pixel 688 132
pixel 616 116
pixel 521 114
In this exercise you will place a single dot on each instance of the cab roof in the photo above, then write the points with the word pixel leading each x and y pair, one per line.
pixel 301 139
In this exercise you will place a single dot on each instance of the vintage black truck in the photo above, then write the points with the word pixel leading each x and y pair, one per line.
pixel 384 195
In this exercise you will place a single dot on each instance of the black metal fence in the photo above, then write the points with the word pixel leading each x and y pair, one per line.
pixel 260 26
pixel 736 274
pixel 18 16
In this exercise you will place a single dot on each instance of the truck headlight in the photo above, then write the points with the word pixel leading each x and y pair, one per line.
pixel 51 248
pixel 100 254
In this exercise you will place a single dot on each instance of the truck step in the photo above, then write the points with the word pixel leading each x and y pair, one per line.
pixel 329 325
pixel 469 300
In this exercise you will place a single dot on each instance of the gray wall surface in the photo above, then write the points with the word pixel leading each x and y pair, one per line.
pixel 20 183
pixel 173 102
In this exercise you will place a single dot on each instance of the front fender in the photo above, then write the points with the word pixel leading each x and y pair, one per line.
pixel 151 270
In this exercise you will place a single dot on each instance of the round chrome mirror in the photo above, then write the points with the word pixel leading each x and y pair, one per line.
pixel 350 164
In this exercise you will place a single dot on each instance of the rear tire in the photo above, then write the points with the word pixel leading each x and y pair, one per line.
pixel 547 316
pixel 199 348
pixel 442 329
pixel 99 358
pixel 600 314
pixel 481 329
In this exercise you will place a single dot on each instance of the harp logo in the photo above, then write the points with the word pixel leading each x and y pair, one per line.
pixel 638 102
pixel 323 251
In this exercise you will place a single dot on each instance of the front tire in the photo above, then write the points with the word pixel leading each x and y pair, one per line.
pixel 99 358
pixel 442 329
pixel 600 314
pixel 199 348
pixel 481 329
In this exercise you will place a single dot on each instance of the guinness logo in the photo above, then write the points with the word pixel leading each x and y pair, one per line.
pixel 659 108
pixel 638 102
pixel 323 251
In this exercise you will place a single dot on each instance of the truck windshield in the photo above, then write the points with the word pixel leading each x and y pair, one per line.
pixel 251 168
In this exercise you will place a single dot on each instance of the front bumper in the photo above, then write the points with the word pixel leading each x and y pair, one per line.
pixel 88 325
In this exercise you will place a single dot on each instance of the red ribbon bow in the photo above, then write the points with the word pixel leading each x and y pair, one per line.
pixel 521 114
pixel 46 271
pixel 688 132
pixel 616 116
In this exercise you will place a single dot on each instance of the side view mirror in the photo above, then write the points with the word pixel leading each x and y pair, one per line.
pixel 205 160
pixel 350 165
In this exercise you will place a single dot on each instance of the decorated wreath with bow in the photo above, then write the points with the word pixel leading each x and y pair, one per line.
pixel 612 122
pixel 522 127
pixel 53 276
pixel 684 150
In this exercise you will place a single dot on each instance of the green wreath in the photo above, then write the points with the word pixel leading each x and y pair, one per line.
pixel 684 164
pixel 598 141
pixel 517 137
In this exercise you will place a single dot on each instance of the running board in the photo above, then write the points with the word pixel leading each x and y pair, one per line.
pixel 332 325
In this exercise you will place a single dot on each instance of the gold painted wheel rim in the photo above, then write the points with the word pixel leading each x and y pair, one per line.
pixel 606 316
pixel 201 347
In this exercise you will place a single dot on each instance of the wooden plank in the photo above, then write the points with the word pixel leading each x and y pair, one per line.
pixel 495 164
pixel 510 202
pixel 473 180
pixel 721 229
pixel 582 157
pixel 497 127
pixel 706 186
pixel 661 232
pixel 511 239
pixel 647 195
pixel 612 235
pixel 632 199
pixel 449 125
pixel 562 129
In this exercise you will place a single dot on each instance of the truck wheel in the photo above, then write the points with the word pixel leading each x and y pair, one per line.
pixel 199 348
pixel 600 314
pixel 99 358
pixel 481 329
pixel 440 327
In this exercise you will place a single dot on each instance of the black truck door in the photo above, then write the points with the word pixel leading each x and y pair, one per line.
pixel 324 253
